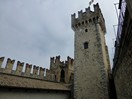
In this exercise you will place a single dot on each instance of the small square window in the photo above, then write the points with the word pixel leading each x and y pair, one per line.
pixel 86 45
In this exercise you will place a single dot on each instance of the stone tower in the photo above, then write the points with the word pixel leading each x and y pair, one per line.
pixel 63 71
pixel 91 62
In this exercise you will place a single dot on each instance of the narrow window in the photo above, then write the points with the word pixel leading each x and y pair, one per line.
pixel 93 19
pixel 55 77
pixel 62 78
pixel 83 23
pixel 86 21
pixel 86 45
pixel 86 30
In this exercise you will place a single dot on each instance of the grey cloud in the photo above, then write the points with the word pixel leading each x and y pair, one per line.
pixel 35 30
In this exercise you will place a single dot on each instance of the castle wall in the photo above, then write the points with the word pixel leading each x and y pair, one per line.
pixel 91 66
pixel 38 72
pixel 15 81
pixel 129 6
pixel 123 76
pixel 16 84
pixel 19 87
pixel 34 95
pixel 122 67
pixel 35 72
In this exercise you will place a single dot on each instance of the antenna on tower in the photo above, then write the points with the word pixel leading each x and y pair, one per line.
pixel 91 1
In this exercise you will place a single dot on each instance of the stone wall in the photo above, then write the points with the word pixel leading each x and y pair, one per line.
pixel 129 6
pixel 37 72
pixel 9 80
pixel 123 80
pixel 61 68
pixel 122 69
pixel 29 84
pixel 123 75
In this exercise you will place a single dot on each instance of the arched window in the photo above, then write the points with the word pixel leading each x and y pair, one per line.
pixel 85 45
pixel 62 78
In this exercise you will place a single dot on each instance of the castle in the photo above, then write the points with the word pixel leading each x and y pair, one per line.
pixel 82 77
pixel 87 76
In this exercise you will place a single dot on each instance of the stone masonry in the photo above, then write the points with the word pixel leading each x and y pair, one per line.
pixel 91 61
pixel 58 72
pixel 33 80
pixel 63 71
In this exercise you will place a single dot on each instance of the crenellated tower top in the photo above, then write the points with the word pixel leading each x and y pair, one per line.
pixel 55 62
pixel 88 17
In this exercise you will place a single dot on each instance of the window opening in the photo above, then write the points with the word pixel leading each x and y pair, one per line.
pixel 86 30
pixel 86 21
pixel 82 23
pixel 62 76
pixel 93 19
pixel 86 45
pixel 90 20
pixel 55 77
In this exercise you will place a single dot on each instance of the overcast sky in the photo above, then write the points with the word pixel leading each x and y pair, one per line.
pixel 32 31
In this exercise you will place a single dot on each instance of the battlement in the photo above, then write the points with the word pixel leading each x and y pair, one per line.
pixel 30 71
pixel 87 18
pixel 33 71
pixel 55 61
pixel 61 71
pixel 70 60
